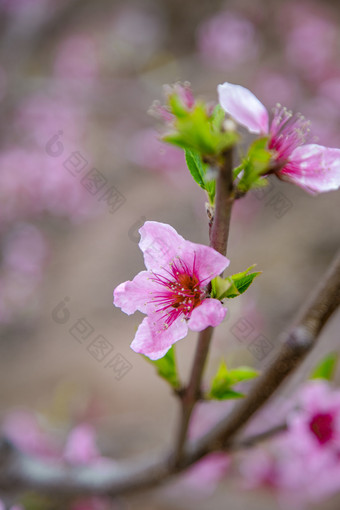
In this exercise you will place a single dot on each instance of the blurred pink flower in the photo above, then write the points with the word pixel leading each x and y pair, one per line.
pixel 25 250
pixel 315 424
pixel 313 167
pixel 26 433
pixel 311 39
pixel 302 464
pixel 276 86
pixel 148 151
pixel 81 445
pixel 227 40
pixel 77 60
pixel 42 115
pixel 204 476
pixel 24 258
pixel 19 6
pixel 15 507
pixel 33 183
pixel 330 89
pixel 323 114
pixel 172 290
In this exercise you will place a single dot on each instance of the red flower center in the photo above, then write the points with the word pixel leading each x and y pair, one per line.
pixel 322 427
pixel 182 293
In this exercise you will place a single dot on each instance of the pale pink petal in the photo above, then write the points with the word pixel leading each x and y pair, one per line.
pixel 154 341
pixel 205 474
pixel 81 445
pixel 206 262
pixel 210 313
pixel 132 295
pixel 314 168
pixel 244 107
pixel 160 244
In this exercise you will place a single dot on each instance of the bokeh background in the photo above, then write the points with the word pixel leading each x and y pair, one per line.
pixel 81 169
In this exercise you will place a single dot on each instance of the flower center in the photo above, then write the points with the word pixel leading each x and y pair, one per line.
pixel 287 132
pixel 321 426
pixel 182 292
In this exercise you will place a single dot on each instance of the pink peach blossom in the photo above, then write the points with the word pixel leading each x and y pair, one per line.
pixel 171 292
pixel 302 464
pixel 313 167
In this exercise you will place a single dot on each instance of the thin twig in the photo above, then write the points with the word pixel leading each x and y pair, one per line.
pixel 219 234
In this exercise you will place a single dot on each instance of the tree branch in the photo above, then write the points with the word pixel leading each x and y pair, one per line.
pixel 296 344
pixel 19 472
pixel 219 234
pixel 250 441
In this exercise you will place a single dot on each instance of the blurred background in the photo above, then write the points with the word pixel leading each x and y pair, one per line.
pixel 81 169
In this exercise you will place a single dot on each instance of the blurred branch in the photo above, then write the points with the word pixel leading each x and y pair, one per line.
pixel 19 472
pixel 296 344
pixel 255 439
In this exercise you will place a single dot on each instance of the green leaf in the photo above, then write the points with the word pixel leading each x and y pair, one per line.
pixel 210 187
pixel 221 386
pixel 254 166
pixel 219 286
pixel 195 166
pixel 234 285
pixel 326 368
pixel 166 367
pixel 227 394
pixel 198 130
pixel 217 118
pixel 244 282
pixel 242 374
pixel 198 170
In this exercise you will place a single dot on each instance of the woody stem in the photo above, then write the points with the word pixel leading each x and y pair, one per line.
pixel 219 234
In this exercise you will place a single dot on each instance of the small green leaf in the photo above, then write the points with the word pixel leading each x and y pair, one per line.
pixel 254 165
pixel 166 367
pixel 219 286
pixel 217 118
pixel 198 170
pixel 221 386
pixel 210 187
pixel 326 368
pixel 199 130
pixel 227 394
pixel 195 166
pixel 243 283
pixel 233 285
pixel 242 374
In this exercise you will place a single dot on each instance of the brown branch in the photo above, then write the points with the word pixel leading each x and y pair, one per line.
pixel 19 472
pixel 219 234
pixel 253 440
pixel 296 344
pixel 223 205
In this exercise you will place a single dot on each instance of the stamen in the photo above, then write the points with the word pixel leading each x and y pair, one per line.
pixel 183 291
pixel 287 132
